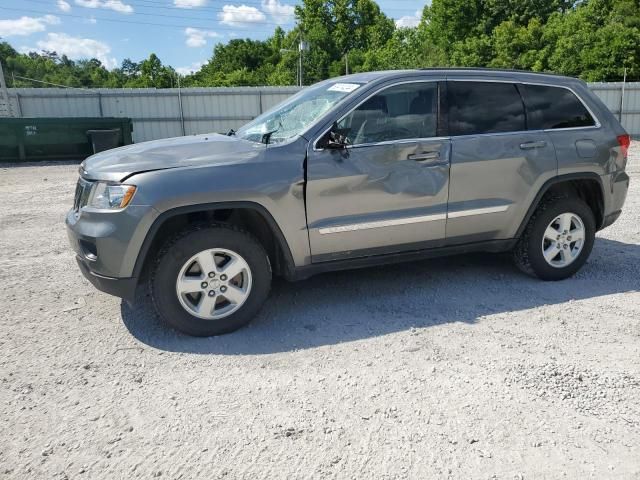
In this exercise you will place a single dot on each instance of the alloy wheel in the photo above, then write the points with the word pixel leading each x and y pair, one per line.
pixel 214 284
pixel 563 240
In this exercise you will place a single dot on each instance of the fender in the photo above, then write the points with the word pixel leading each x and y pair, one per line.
pixel 204 207
pixel 554 181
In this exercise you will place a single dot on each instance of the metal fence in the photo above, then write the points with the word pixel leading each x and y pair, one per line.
pixel 155 113
pixel 623 99
pixel 172 112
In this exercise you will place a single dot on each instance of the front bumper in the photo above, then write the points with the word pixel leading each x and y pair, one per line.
pixel 120 287
pixel 107 245
pixel 109 242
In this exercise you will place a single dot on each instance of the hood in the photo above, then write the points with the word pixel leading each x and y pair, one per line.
pixel 197 150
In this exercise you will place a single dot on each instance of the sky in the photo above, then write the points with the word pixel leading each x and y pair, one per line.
pixel 181 32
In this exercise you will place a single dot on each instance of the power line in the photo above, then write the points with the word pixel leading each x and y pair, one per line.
pixel 262 22
pixel 163 5
pixel 252 3
pixel 158 5
pixel 48 83
pixel 118 20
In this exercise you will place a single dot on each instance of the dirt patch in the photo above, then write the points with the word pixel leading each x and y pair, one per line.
pixel 452 368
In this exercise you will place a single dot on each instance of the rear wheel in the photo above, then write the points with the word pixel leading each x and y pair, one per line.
pixel 558 239
pixel 210 280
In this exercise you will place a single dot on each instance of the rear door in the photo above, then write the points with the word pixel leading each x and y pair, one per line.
pixel 387 191
pixel 497 164
pixel 579 142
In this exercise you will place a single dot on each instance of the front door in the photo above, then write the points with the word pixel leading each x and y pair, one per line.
pixel 387 191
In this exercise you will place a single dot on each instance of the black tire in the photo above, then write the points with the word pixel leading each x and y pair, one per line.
pixel 528 253
pixel 180 249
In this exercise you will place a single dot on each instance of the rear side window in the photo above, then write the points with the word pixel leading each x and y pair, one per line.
pixel 554 107
pixel 484 107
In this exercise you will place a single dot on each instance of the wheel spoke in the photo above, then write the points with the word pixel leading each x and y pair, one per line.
pixel 565 222
pixel 551 252
pixel 190 285
pixel 207 305
pixel 577 234
pixel 565 257
pixel 551 234
pixel 233 268
pixel 207 262
pixel 234 294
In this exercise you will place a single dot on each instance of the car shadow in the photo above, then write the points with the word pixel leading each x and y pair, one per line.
pixel 347 306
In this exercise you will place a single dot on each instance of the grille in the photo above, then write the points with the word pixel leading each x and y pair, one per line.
pixel 83 189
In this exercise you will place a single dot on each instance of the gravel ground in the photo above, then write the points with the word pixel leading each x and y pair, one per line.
pixel 452 368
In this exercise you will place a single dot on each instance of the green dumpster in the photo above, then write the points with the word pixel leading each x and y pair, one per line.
pixel 31 139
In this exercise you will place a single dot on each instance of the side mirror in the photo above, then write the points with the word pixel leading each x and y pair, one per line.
pixel 336 139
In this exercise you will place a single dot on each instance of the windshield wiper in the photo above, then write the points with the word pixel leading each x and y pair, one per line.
pixel 231 133
pixel 266 137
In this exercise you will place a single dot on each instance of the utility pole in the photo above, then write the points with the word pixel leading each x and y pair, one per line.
pixel 346 60
pixel 180 106
pixel 5 96
pixel 624 83
pixel 303 47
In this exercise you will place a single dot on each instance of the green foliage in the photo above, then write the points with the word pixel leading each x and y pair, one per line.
pixel 518 46
pixel 596 41
pixel 591 39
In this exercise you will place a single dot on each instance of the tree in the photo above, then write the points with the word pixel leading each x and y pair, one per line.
pixel 520 47
pixel 451 21
pixel 596 41
pixel 521 12
pixel 591 39
pixel 335 29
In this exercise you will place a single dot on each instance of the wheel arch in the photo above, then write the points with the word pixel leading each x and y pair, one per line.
pixel 259 220
pixel 587 186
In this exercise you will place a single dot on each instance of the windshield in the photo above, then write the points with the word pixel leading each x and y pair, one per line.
pixel 296 114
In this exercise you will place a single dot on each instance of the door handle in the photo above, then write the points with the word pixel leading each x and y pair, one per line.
pixel 423 157
pixel 532 145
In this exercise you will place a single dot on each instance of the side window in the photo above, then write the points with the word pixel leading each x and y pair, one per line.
pixel 484 107
pixel 402 112
pixel 554 107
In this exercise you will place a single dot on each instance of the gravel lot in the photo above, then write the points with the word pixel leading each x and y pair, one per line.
pixel 452 368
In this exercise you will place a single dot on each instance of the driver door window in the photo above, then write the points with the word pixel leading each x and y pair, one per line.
pixel 402 112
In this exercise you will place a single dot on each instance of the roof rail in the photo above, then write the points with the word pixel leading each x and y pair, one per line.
pixel 485 69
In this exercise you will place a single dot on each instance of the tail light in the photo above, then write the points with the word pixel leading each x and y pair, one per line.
pixel 625 143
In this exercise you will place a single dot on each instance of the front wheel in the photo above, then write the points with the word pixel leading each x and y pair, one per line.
pixel 210 280
pixel 558 239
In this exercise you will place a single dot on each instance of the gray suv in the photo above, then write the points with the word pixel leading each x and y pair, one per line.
pixel 351 172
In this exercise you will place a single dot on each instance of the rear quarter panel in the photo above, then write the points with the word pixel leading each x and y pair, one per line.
pixel 594 150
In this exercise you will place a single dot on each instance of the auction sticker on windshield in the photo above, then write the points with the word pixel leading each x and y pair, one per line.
pixel 344 87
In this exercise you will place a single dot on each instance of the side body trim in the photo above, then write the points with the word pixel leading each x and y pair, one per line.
pixel 478 211
pixel 381 224
pixel 353 227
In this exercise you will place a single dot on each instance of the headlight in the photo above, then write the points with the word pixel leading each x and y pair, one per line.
pixel 110 196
